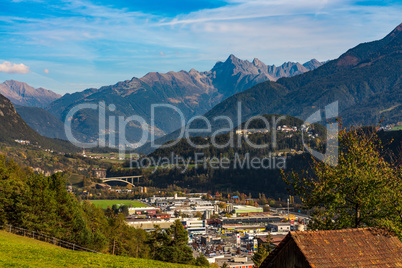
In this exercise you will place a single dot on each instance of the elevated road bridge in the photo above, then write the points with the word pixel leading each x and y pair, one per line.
pixel 127 179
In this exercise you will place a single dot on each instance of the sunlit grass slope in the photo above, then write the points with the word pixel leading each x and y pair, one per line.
pixel 18 251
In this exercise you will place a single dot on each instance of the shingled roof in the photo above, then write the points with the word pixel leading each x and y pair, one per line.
pixel 362 247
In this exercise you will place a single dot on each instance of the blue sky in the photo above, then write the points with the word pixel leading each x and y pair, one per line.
pixel 71 45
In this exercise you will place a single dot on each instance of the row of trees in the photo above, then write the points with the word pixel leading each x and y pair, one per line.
pixel 42 204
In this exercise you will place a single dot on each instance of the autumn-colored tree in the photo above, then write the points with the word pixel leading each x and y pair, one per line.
pixel 198 214
pixel 222 205
pixel 361 190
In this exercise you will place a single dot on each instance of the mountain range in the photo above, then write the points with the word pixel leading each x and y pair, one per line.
pixel 365 81
pixel 193 93
pixel 20 93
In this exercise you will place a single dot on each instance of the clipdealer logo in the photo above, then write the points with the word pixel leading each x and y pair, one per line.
pixel 114 136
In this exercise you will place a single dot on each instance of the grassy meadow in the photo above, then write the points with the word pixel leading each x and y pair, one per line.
pixel 105 203
pixel 19 251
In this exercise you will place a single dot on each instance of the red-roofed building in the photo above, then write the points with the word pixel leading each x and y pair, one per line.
pixel 363 247
pixel 275 240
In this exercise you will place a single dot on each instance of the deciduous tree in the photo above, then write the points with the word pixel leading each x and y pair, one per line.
pixel 361 190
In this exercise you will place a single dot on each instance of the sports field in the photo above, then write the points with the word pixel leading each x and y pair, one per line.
pixel 105 203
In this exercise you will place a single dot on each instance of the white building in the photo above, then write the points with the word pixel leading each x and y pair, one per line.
pixel 194 226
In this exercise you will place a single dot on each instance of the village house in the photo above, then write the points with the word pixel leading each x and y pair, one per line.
pixel 99 173
pixel 362 247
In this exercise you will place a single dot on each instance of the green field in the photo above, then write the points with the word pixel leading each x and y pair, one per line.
pixel 113 161
pixel 105 203
pixel 76 179
pixel 19 251
pixel 397 128
pixel 112 155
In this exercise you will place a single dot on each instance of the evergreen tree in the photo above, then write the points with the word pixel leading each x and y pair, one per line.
pixel 260 255
pixel 42 204
pixel 124 209
pixel 171 245
pixel 158 240
pixel 98 223
pixel 201 261
pixel 180 235
pixel 12 192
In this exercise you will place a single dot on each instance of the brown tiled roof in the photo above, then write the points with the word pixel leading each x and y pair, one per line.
pixel 275 239
pixel 362 247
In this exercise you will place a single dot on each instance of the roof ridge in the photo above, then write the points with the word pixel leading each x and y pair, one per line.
pixel 346 242
pixel 296 238
pixel 381 230
pixel 337 230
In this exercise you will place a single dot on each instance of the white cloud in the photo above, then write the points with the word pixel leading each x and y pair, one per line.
pixel 46 71
pixel 13 68
pixel 253 26
pixel 252 10
pixel 107 39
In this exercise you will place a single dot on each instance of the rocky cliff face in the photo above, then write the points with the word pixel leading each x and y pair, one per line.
pixel 11 124
pixel 13 127
pixel 192 92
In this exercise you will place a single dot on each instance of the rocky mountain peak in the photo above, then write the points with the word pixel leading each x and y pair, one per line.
pixel 312 64
pixel 193 92
pixel 21 93
pixel 258 63
pixel 232 58
pixel 396 31
pixel 16 86
pixel 193 71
